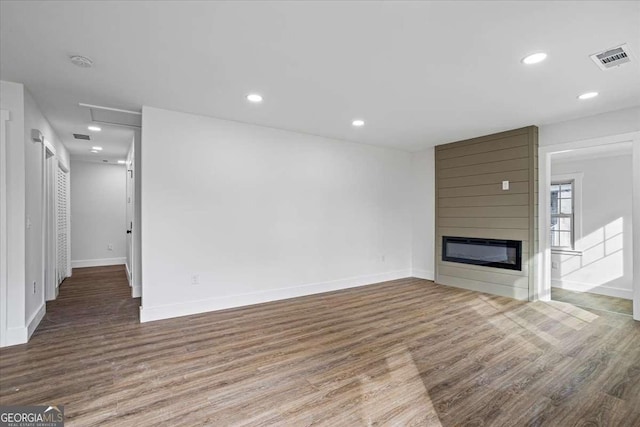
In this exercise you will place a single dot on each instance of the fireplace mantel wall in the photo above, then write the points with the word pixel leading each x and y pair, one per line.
pixel 470 202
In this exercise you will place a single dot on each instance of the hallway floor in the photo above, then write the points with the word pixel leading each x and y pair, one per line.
pixel 90 297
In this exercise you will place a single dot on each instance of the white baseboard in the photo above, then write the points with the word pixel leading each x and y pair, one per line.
pixel 136 291
pixel 97 262
pixel 148 314
pixel 422 274
pixel 36 319
pixel 21 335
pixel 586 287
pixel 16 336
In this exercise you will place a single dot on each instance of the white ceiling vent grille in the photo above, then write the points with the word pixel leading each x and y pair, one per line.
pixel 612 58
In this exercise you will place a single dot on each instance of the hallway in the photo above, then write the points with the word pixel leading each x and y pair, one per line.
pixel 92 296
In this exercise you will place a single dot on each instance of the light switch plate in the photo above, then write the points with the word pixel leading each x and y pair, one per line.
pixel 505 185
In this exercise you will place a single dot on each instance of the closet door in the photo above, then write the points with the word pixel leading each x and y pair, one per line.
pixel 62 201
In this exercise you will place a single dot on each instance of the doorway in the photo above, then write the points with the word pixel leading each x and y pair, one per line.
pixel 590 223
pixel 55 202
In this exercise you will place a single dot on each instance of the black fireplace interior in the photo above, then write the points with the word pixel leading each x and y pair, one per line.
pixel 487 252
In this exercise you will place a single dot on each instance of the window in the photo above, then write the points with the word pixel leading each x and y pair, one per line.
pixel 562 215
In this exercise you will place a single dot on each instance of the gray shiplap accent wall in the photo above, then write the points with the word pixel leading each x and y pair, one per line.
pixel 470 202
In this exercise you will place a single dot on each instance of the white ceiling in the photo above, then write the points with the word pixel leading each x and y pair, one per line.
pixel 418 73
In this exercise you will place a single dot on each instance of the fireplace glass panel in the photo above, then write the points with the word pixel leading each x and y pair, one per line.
pixel 488 252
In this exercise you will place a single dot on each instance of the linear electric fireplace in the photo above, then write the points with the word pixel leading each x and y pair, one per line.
pixel 487 252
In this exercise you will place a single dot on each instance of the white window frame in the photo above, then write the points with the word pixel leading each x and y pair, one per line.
pixel 576 178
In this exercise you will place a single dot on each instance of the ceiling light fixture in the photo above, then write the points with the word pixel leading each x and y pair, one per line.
pixel 81 61
pixel 121 162
pixel 94 151
pixel 94 128
pixel 588 95
pixel 96 148
pixel 254 97
pixel 534 58
pixel 358 123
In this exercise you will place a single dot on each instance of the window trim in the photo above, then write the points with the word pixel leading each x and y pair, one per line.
pixel 576 178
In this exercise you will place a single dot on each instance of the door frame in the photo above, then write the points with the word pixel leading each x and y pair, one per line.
pixel 49 241
pixel 543 281
pixel 4 282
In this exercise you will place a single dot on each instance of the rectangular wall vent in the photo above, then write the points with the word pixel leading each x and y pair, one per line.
pixel 81 136
pixel 612 58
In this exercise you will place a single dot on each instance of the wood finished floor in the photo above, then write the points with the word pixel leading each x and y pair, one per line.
pixel 594 301
pixel 406 352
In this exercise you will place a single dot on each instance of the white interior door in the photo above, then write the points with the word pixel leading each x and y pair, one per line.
pixel 62 225
pixel 129 225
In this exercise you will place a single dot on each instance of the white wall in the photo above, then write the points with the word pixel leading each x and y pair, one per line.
pixel 423 212
pixel 25 163
pixel 98 209
pixel 611 123
pixel 34 168
pixel 260 214
pixel 605 265
pixel 12 100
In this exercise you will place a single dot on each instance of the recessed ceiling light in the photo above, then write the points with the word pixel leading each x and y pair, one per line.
pixel 121 162
pixel 96 148
pixel 358 123
pixel 254 97
pixel 588 95
pixel 534 58
pixel 94 128
pixel 81 61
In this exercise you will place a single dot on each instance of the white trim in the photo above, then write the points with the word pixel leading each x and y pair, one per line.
pixel 68 181
pixel 16 336
pixel 635 220
pixel 592 289
pixel 560 251
pixel 35 320
pixel 21 335
pixel 81 263
pixel 4 282
pixel 422 274
pixel 49 146
pixel 148 314
pixel 136 291
pixel 543 281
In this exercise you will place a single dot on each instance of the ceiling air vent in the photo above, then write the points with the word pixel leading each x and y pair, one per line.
pixel 81 136
pixel 612 58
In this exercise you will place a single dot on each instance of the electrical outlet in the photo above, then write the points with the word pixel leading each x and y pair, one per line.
pixel 109 247
pixel 34 287
pixel 195 279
